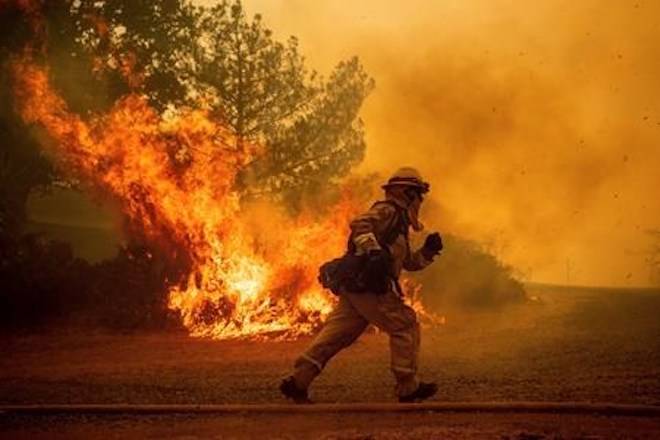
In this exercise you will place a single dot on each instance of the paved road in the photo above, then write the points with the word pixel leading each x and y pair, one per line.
pixel 334 426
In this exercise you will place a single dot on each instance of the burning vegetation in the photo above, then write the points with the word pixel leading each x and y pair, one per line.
pixel 174 179
pixel 180 174
pixel 221 191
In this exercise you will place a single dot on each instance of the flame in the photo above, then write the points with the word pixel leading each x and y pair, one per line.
pixel 174 180
pixel 109 56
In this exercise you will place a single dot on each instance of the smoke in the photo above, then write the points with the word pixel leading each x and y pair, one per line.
pixel 537 123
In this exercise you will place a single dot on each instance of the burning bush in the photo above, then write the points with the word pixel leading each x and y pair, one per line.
pixel 189 213
pixel 181 177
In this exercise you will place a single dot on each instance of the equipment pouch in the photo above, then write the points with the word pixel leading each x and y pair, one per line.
pixel 357 274
pixel 344 273
pixel 329 275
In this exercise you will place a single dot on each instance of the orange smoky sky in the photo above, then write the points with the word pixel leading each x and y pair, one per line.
pixel 537 123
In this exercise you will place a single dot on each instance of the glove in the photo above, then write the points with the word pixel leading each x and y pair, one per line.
pixel 432 245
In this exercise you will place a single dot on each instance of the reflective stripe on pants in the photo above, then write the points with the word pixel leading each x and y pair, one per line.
pixel 349 319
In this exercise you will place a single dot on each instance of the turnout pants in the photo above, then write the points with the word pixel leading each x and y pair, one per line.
pixel 345 324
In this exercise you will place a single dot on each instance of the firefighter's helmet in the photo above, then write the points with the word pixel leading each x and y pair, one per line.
pixel 408 176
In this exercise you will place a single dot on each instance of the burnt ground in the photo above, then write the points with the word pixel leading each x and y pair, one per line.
pixel 596 345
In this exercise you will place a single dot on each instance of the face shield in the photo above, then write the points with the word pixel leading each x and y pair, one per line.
pixel 415 198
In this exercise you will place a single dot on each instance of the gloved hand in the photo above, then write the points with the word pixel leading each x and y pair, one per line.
pixel 432 245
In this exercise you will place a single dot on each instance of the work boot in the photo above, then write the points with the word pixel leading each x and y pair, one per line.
pixel 424 391
pixel 291 391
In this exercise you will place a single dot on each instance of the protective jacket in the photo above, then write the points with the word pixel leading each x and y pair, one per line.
pixel 385 226
pixel 382 229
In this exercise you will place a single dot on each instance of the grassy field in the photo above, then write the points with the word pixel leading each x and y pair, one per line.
pixel 570 345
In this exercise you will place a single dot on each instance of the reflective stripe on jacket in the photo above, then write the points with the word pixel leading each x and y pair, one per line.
pixel 377 222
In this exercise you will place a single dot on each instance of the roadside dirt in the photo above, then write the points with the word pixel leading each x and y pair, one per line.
pixel 570 345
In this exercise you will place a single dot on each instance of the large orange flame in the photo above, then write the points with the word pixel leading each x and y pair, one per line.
pixel 174 179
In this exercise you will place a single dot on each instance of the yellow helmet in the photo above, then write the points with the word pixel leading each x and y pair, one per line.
pixel 408 176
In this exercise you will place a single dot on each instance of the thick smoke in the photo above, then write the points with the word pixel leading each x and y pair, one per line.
pixel 537 123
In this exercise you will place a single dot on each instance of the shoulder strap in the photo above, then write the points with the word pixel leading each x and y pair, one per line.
pixel 399 224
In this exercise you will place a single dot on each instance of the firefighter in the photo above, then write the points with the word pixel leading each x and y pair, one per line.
pixel 380 236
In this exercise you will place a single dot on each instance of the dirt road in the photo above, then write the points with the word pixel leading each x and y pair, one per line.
pixel 570 345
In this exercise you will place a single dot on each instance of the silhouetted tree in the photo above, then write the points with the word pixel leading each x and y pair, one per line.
pixel 262 87
pixel 23 166
pixel 179 54
pixel 142 46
